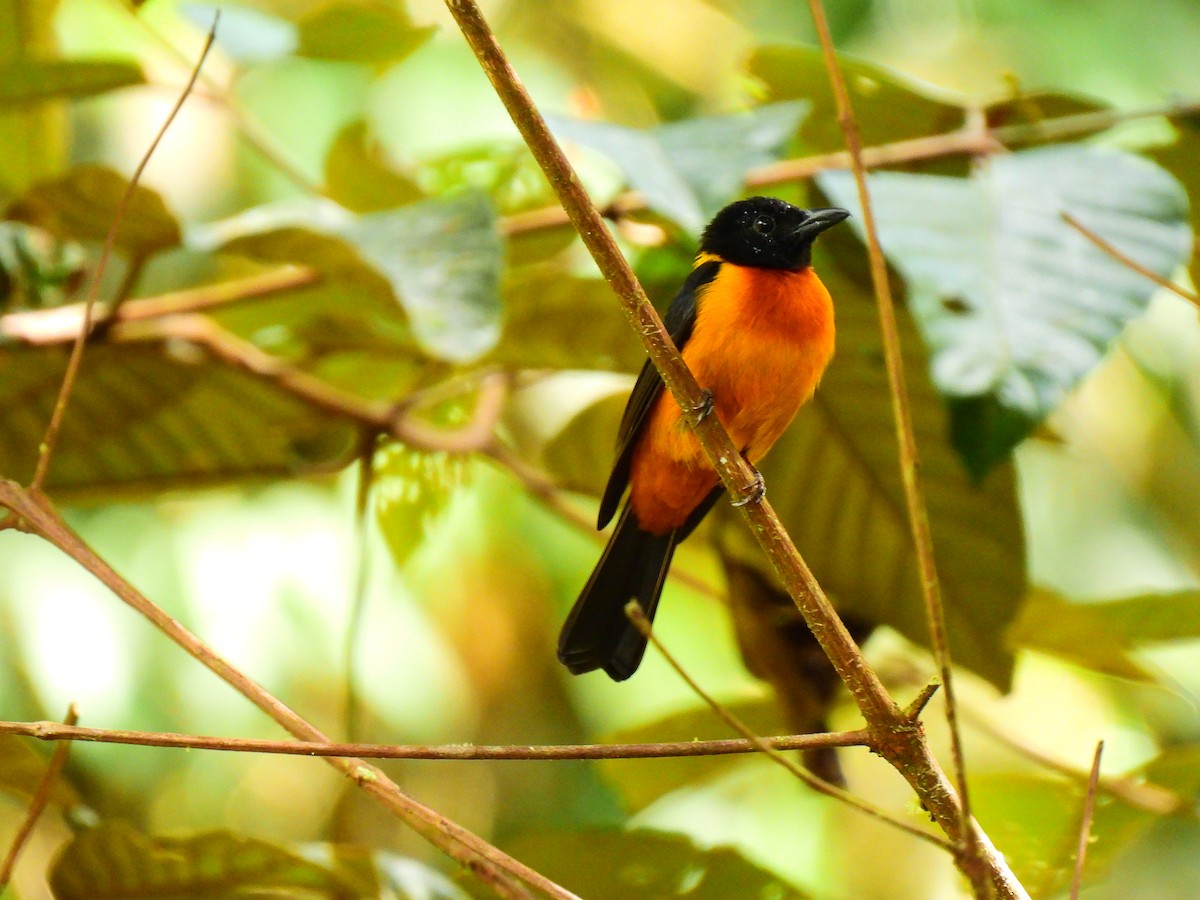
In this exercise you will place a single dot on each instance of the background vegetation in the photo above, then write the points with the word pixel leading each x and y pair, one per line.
pixel 363 236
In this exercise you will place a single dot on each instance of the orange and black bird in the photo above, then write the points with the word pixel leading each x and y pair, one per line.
pixel 755 325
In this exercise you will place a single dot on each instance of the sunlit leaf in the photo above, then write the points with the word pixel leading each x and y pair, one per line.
pixel 21 770
pixel 888 106
pixel 34 80
pixel 688 170
pixel 359 177
pixel 34 137
pixel 82 205
pixel 113 861
pixel 647 865
pixel 365 32
pixel 1015 304
pixel 412 488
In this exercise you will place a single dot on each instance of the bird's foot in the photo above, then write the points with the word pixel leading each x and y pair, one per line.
pixel 704 408
pixel 755 492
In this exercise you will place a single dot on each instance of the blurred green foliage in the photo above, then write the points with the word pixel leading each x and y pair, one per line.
pixel 1054 392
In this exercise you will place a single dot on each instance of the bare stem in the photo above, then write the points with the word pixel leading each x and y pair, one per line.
pixel 918 514
pixel 638 617
pixel 1129 262
pixel 46 448
pixel 1085 827
pixel 41 796
pixel 54 731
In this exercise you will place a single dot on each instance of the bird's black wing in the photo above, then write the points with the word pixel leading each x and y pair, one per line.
pixel 680 319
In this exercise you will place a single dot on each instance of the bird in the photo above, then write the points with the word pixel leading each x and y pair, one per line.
pixel 755 325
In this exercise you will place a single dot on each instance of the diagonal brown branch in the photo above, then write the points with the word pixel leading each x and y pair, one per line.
pixel 900 740
pixel 41 796
pixel 55 731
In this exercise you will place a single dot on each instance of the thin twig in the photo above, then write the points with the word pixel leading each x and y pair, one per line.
pixel 637 616
pixel 358 595
pixel 1129 262
pixel 36 515
pixel 1085 827
pixel 54 731
pixel 918 513
pixel 41 797
pixel 899 741
pixel 46 447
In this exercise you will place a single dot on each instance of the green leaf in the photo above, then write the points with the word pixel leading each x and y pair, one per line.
pixel 412 488
pixel 362 32
pixel 443 259
pixel 1015 304
pixel 642 781
pixel 113 861
pixel 688 170
pixel 1076 632
pixel 543 309
pixel 1036 108
pixel 834 480
pixel 359 177
pixel 647 865
pixel 888 106
pixel 1100 635
pixel 22 768
pixel 31 81
pixel 82 205
pixel 148 415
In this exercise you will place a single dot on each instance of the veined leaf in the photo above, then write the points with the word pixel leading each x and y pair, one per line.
pixel 1015 305
pixel 688 170
pixel 30 81
pixel 146 416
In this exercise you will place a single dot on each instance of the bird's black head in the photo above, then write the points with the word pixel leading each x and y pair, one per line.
pixel 767 233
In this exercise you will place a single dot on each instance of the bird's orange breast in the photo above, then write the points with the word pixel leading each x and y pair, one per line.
pixel 761 342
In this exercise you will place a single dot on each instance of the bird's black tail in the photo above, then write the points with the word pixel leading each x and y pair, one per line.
pixel 597 634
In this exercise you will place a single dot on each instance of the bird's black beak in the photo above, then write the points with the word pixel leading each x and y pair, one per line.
pixel 820 220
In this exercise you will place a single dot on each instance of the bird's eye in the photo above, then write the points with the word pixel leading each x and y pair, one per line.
pixel 763 225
